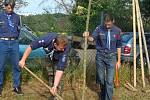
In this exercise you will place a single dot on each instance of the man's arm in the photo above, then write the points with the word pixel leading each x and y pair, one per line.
pixel 60 69
pixel 57 80
pixel 58 77
pixel 119 44
pixel 119 56
pixel 40 42
pixel 25 56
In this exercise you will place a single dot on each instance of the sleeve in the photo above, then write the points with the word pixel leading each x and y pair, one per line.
pixel 119 43
pixel 42 42
pixel 19 24
pixel 96 32
pixel 62 62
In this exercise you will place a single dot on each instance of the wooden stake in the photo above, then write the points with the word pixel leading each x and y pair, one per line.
pixel 85 51
pixel 134 89
pixel 146 91
pixel 129 88
pixel 140 42
pixel 144 40
pixel 134 40
pixel 59 97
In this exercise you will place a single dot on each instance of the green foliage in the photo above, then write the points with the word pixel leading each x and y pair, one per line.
pixel 41 23
pixel 145 7
pixel 75 22
pixel 47 23
pixel 120 9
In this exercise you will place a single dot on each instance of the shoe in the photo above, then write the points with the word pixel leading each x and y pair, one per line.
pixel 0 92
pixel 18 91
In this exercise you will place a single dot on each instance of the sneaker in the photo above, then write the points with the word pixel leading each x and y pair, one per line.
pixel 18 91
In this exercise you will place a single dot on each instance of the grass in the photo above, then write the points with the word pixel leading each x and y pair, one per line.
pixel 73 83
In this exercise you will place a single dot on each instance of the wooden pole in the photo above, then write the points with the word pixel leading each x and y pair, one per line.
pixel 59 97
pixel 146 91
pixel 134 40
pixel 140 43
pixel 144 39
pixel 128 87
pixel 85 50
pixel 134 89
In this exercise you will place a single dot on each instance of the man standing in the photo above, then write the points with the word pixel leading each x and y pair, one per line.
pixel 9 44
pixel 108 44
pixel 57 48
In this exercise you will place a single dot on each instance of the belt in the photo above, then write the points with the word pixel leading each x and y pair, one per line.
pixel 8 38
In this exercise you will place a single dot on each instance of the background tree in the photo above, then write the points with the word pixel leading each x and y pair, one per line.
pixel 145 10
pixel 74 18
pixel 120 9
pixel 65 5
pixel 145 7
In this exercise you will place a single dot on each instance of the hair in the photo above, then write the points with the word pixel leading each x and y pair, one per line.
pixel 62 40
pixel 108 18
pixel 10 2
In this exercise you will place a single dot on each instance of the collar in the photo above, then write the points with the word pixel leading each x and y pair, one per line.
pixel 53 41
pixel 9 13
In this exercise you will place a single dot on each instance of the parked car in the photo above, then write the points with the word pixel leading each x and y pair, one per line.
pixel 127 47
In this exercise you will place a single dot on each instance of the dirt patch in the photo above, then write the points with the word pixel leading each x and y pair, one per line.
pixel 34 90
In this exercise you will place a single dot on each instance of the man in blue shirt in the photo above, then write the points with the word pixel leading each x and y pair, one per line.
pixel 57 48
pixel 9 44
pixel 108 44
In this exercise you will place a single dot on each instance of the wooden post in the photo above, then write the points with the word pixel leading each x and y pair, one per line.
pixel 134 40
pixel 144 40
pixel 85 51
pixel 146 91
pixel 140 42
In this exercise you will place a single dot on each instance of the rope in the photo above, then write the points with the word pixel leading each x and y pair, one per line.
pixel 85 50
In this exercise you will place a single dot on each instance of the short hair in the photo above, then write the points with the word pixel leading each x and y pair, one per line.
pixel 108 18
pixel 10 2
pixel 62 40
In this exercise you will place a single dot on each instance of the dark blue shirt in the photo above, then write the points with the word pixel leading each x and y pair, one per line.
pixel 47 42
pixel 9 25
pixel 100 37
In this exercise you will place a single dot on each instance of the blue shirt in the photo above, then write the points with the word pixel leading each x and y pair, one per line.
pixel 9 25
pixel 47 42
pixel 100 36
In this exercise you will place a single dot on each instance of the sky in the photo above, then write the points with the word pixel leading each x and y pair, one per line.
pixel 34 7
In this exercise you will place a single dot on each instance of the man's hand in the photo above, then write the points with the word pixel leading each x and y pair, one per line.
pixel 118 64
pixel 86 34
pixel 54 90
pixel 21 63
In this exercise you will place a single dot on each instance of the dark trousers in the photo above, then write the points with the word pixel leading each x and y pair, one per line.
pixel 10 48
pixel 105 66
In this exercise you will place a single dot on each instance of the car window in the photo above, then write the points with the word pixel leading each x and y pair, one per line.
pixel 26 36
pixel 126 37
